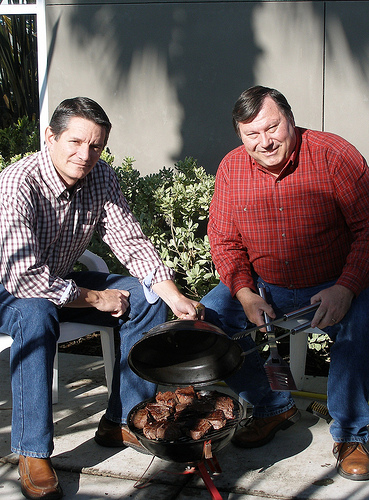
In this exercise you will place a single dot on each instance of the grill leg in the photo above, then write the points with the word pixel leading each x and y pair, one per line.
pixel 215 495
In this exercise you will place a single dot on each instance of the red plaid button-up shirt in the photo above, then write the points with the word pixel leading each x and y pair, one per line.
pixel 44 229
pixel 305 227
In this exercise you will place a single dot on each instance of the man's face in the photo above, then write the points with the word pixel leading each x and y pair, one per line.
pixel 270 137
pixel 77 150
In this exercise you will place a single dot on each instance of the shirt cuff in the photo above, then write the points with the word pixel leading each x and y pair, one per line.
pixel 70 293
pixel 150 295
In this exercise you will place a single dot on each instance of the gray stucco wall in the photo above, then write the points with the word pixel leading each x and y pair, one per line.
pixel 168 73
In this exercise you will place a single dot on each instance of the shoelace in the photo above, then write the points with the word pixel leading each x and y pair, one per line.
pixel 349 450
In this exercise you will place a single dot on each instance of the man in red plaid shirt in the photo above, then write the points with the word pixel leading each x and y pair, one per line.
pixel 290 211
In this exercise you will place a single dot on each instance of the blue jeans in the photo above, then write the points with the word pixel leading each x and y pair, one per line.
pixel 348 381
pixel 34 326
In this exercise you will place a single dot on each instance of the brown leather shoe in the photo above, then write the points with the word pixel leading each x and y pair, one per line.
pixel 113 435
pixel 38 479
pixel 352 461
pixel 259 431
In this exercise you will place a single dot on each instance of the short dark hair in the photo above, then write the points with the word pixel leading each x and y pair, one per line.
pixel 251 101
pixel 81 107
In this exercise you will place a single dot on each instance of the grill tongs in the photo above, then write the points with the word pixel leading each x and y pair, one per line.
pixel 279 322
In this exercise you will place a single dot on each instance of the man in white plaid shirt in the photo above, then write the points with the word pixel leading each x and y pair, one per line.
pixel 51 204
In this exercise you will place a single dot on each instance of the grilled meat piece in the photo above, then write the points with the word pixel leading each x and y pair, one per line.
pixel 170 431
pixel 184 412
pixel 217 419
pixel 167 398
pixel 158 411
pixel 225 403
pixel 150 429
pixel 140 418
pixel 201 427
pixel 185 394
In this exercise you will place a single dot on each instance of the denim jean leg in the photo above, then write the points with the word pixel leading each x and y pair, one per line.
pixel 348 380
pixel 128 389
pixel 250 381
pixel 34 327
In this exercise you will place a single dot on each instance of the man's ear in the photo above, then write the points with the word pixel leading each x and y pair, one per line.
pixel 49 137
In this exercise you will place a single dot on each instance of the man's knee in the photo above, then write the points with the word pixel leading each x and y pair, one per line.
pixel 36 315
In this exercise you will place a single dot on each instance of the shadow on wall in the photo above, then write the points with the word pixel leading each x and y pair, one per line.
pixel 171 72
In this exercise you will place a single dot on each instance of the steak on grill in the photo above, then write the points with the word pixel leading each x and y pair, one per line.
pixel 167 398
pixel 185 395
pixel 158 411
pixel 183 413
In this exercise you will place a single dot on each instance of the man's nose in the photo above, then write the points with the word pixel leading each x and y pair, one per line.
pixel 265 140
pixel 84 151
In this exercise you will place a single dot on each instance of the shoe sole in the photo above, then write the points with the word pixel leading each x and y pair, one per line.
pixel 51 496
pixel 353 477
pixel 280 427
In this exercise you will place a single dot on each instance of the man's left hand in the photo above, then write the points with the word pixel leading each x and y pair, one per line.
pixel 335 302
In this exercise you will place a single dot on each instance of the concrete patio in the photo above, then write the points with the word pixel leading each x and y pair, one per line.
pixel 297 464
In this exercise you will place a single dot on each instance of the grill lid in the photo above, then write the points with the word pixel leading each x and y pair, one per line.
pixel 185 352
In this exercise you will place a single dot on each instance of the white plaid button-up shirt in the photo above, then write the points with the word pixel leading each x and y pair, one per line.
pixel 44 229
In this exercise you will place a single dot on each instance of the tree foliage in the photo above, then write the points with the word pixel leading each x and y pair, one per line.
pixel 18 69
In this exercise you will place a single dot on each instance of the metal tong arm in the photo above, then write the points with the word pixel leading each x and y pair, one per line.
pixel 298 329
pixel 269 326
pixel 292 315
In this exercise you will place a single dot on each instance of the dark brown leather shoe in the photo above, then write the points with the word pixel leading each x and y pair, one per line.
pixel 352 461
pixel 259 431
pixel 38 479
pixel 113 435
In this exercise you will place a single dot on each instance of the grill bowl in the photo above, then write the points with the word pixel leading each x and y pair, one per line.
pixel 186 449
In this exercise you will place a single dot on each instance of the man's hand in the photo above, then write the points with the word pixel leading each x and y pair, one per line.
pixel 254 306
pixel 113 301
pixel 181 306
pixel 335 302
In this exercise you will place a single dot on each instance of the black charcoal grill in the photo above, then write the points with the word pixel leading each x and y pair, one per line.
pixel 180 353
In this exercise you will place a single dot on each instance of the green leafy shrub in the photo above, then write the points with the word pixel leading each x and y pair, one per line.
pixel 172 207
pixel 19 139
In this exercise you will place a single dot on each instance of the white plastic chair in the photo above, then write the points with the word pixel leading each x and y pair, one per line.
pixel 71 331
pixel 298 349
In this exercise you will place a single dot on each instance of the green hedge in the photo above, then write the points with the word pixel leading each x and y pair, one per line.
pixel 172 207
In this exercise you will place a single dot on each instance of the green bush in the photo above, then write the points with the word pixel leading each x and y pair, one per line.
pixel 172 207
pixel 18 140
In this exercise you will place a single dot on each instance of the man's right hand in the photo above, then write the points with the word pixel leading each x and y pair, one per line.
pixel 254 306
pixel 111 300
